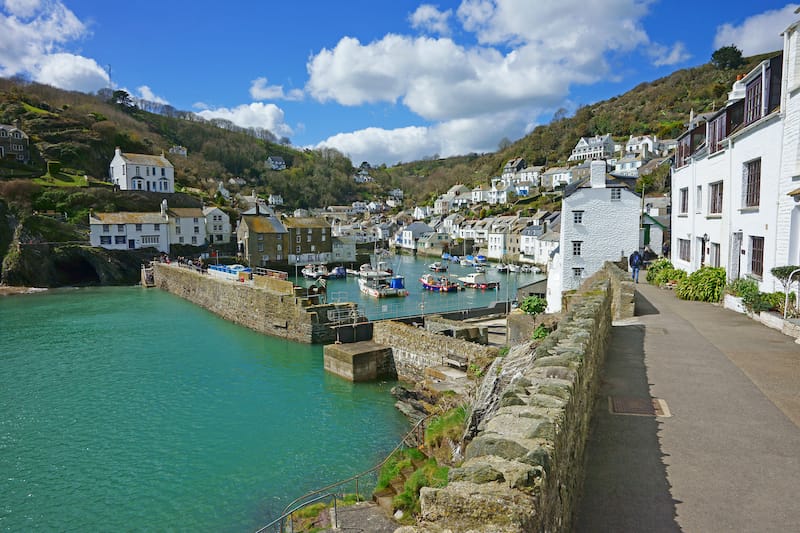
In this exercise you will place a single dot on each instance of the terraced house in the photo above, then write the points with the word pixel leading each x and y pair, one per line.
pixel 308 240
pixel 14 144
pixel 736 181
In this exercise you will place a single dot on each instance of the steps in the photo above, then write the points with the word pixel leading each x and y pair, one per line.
pixel 385 497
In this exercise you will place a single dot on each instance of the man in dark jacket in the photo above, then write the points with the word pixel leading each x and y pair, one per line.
pixel 635 261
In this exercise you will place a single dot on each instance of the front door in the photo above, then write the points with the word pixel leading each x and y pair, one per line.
pixel 131 244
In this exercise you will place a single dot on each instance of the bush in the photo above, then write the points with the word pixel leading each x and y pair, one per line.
pixel 450 425
pixel 533 305
pixel 656 267
pixel 429 475
pixel 669 275
pixel 704 285
pixel 540 332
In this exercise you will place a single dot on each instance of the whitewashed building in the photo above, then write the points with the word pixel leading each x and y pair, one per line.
pixel 597 147
pixel 141 172
pixel 734 172
pixel 409 235
pixel 187 224
pixel 218 225
pixel 599 223
pixel 129 231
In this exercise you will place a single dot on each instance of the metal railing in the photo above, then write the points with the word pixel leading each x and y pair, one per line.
pixel 414 437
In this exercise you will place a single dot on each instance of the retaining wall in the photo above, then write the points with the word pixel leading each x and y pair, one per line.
pixel 415 349
pixel 272 312
pixel 524 469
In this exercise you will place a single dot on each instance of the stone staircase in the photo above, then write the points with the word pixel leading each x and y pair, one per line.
pixel 384 497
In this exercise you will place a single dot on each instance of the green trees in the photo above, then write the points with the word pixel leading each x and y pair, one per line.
pixel 727 57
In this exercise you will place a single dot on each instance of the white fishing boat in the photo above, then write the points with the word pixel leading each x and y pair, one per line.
pixel 383 286
pixel 466 262
pixel 478 280
pixel 513 268
pixel 379 269
pixel 314 271
pixel 438 266
pixel 502 267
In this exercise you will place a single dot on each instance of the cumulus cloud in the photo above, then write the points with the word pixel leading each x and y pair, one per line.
pixel 145 93
pixel 757 34
pixel 664 56
pixel 527 57
pixel 33 35
pixel 259 90
pixel 462 136
pixel 254 115
pixel 428 18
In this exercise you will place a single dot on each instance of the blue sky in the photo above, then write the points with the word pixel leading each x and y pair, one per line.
pixel 381 81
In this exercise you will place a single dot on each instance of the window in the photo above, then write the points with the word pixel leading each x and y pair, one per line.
pixel 577 272
pixel 751 185
pixel 716 133
pixel 698 199
pixel 177 230
pixel 752 101
pixel 194 239
pixel 684 250
pixel 138 227
pixel 297 250
pixel 138 172
pixel 279 247
pixel 313 248
pixel 119 239
pixel 299 238
pixel 757 256
pixel 577 217
pixel 683 201
pixel 156 227
pixel 576 247
pixel 180 240
pixel 147 171
pixel 616 195
pixel 309 231
pixel 308 239
pixel 261 247
pixel 105 239
pixel 106 228
pixel 715 198
pixel 120 228
pixel 714 255
pixel 150 239
pixel 163 172
pixel 260 236
pixel 197 229
pixel 323 238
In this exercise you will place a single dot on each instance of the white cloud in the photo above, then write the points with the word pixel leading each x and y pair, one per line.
pixel 663 56
pixel 527 57
pixel 259 90
pixel 462 136
pixel 201 106
pixel 22 8
pixel 757 34
pixel 33 35
pixel 68 71
pixel 428 18
pixel 145 93
pixel 254 115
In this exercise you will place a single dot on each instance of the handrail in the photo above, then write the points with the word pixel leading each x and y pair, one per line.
pixel 318 498
pixel 788 289
pixel 295 504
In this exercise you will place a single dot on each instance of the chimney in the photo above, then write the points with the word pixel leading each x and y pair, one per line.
pixel 598 174
pixel 163 205
pixel 117 151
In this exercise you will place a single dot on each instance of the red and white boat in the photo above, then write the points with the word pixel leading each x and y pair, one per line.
pixel 438 284
pixel 478 280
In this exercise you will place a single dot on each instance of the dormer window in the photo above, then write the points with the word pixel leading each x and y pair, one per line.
pixel 753 101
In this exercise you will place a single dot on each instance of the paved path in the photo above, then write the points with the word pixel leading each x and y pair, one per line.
pixel 728 459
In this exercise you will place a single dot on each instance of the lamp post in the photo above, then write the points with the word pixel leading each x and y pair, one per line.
pixel 703 250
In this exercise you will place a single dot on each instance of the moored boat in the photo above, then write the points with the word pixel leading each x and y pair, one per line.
pixel 438 283
pixel 502 267
pixel 383 286
pixel 513 268
pixel 337 273
pixel 438 266
pixel 478 280
pixel 314 271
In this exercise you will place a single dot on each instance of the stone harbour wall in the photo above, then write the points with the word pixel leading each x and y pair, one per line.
pixel 415 349
pixel 269 312
pixel 524 469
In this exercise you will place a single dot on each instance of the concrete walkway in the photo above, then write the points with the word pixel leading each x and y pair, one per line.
pixel 728 457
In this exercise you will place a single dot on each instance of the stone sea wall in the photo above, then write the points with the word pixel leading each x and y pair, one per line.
pixel 524 468
pixel 415 349
pixel 272 312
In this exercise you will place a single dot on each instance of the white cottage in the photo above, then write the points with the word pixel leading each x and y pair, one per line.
pixel 218 225
pixel 141 172
pixel 599 223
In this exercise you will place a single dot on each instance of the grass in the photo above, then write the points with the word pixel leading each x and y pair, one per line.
pixel 449 425
pixel 429 475
pixel 61 179
pixel 33 109
pixel 400 460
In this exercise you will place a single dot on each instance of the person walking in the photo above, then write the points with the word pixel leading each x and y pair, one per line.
pixel 635 261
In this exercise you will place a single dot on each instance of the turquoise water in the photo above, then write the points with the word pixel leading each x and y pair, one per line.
pixel 131 409
pixel 419 300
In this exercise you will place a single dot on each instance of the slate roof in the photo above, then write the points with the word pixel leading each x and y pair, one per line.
pixel 125 217
pixel 263 224
pixel 147 160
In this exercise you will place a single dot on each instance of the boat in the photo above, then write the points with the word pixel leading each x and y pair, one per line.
pixel 314 271
pixel 438 284
pixel 367 270
pixel 480 258
pixel 526 269
pixel 466 262
pixel 477 280
pixel 480 268
pixel 502 267
pixel 383 286
pixel 337 273
pixel 513 268
pixel 438 266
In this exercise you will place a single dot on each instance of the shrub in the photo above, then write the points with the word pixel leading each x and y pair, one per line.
pixel 533 305
pixel 668 275
pixel 449 425
pixel 704 285
pixel 429 475
pixel 540 332
pixel 656 267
